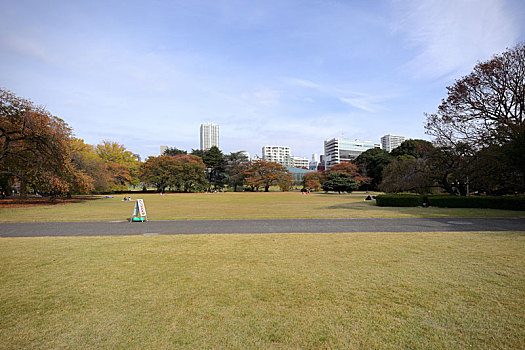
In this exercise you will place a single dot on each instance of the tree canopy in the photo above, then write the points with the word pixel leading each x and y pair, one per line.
pixel 183 172
pixel 485 107
pixel 173 151
pixel 413 147
pixel 35 149
pixel 265 174
pixel 372 162
pixel 481 126
pixel 339 182
pixel 351 169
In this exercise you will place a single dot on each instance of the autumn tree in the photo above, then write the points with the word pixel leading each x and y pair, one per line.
pixel 313 180
pixel 34 148
pixel 265 174
pixel 121 162
pixel 159 171
pixel 486 110
pixel 351 169
pixel 85 158
pixel 190 176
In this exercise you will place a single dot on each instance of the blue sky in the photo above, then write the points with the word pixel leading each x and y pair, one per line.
pixel 291 73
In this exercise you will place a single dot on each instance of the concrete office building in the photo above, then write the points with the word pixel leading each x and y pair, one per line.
pixel 278 154
pixel 299 162
pixel 343 150
pixel 209 136
pixel 389 142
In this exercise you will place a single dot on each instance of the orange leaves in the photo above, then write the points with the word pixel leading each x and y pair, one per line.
pixel 265 174
pixel 350 169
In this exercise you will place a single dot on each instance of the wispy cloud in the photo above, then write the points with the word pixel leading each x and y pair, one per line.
pixel 366 102
pixel 451 35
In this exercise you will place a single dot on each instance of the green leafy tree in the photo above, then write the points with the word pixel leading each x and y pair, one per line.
pixel 413 147
pixel 236 165
pixel 215 167
pixel 339 182
pixel 198 152
pixel 173 151
pixel 372 162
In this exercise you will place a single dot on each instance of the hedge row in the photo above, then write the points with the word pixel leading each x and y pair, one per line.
pixel 412 200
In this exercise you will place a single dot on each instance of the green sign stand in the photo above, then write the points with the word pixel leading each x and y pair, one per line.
pixel 139 212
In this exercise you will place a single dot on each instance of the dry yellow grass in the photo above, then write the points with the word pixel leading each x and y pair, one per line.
pixel 272 205
pixel 286 291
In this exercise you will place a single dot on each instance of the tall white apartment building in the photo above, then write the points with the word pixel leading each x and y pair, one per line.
pixel 209 136
pixel 278 154
pixel 298 162
pixel 343 150
pixel 163 149
pixel 389 142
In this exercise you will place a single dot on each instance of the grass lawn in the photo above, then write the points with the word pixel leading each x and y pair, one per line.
pixel 272 205
pixel 463 290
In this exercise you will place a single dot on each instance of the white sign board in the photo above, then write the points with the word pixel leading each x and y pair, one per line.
pixel 139 211
pixel 142 207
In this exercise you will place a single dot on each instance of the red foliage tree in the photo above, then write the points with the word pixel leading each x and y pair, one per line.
pixel 350 169
pixel 34 148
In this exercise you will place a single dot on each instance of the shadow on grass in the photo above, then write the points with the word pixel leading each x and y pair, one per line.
pixel 34 202
pixel 353 205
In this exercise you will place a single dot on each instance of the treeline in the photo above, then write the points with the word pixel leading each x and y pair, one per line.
pixel 39 154
pixel 209 170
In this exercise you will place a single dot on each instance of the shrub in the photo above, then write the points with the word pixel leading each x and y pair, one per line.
pixel 399 200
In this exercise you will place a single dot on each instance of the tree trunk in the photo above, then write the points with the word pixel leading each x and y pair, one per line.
pixel 23 189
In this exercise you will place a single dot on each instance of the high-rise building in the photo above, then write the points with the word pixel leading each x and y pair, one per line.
pixel 343 150
pixel 278 154
pixel 163 149
pixel 389 142
pixel 209 136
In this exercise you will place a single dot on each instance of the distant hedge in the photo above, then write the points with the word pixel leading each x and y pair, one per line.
pixel 399 200
pixel 489 202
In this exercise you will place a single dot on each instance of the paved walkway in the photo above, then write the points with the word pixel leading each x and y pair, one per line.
pixel 259 226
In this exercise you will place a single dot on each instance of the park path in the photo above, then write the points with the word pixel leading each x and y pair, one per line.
pixel 260 226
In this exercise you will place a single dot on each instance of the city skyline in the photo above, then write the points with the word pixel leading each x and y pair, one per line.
pixel 278 72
